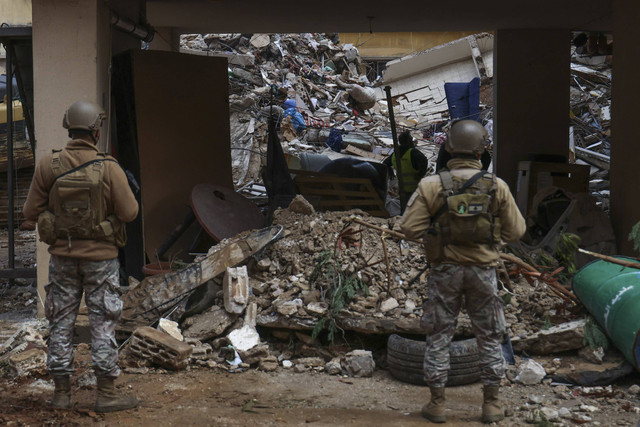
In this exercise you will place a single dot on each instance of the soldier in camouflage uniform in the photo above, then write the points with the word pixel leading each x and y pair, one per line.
pixel 463 215
pixel 81 200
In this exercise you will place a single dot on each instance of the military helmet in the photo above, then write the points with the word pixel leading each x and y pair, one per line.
pixel 83 115
pixel 466 137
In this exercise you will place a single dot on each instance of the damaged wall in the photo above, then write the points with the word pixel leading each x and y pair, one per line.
pixel 417 81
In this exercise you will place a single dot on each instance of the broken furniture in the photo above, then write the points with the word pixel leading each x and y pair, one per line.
pixel 334 193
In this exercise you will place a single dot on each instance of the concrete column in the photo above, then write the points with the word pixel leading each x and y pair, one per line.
pixel 625 161
pixel 71 44
pixel 531 71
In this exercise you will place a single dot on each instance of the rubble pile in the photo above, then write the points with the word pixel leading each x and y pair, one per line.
pixel 590 100
pixel 326 79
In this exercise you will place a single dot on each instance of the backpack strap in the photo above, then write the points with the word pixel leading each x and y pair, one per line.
pixel 84 165
pixel 445 177
pixel 447 181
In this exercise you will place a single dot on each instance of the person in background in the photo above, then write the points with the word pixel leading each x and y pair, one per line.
pixel 296 118
pixel 414 164
pixel 463 215
pixel 81 200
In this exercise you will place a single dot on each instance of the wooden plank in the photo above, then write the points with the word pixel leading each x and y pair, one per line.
pixel 331 192
pixel 363 153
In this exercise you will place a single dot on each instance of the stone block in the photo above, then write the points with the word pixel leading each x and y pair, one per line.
pixel 359 363
pixel 160 348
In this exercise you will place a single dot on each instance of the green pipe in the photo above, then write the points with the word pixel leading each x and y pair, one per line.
pixel 611 293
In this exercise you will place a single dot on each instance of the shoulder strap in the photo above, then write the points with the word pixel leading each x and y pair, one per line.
pixel 447 181
pixel 84 165
pixel 446 175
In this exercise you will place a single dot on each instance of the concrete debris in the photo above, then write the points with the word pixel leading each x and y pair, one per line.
pixel 210 324
pixel 333 367
pixel 310 362
pixel 170 327
pixel 530 372
pixel 592 355
pixel 159 348
pixel 269 364
pixel 30 361
pixel 244 338
pixel 556 339
pixel 19 340
pixel 235 285
pixel 359 363
pixel 255 354
pixel 300 205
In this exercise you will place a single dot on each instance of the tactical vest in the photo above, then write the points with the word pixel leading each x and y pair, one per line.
pixel 467 217
pixel 78 203
pixel 410 175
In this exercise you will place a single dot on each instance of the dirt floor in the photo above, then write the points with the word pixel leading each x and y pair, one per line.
pixel 201 396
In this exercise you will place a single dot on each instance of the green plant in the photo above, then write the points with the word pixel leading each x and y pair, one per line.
pixel 634 236
pixel 547 323
pixel 594 335
pixel 566 249
pixel 337 290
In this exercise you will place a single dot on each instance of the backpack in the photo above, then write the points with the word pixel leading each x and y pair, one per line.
pixel 465 218
pixel 78 206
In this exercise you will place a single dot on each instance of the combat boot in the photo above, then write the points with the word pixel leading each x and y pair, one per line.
pixel 492 411
pixel 110 401
pixel 434 410
pixel 62 393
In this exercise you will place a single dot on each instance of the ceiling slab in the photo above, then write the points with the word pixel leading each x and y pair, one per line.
pixel 286 16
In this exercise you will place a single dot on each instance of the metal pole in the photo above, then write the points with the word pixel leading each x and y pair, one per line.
pixel 9 50
pixel 25 104
pixel 396 150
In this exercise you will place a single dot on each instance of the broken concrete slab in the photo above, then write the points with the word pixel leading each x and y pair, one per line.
pixel 564 337
pixel 208 325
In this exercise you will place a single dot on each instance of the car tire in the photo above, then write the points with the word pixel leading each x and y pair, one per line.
pixel 405 358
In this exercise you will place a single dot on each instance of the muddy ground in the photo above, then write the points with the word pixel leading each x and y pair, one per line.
pixel 205 397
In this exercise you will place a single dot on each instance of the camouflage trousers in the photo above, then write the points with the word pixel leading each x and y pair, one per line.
pixel 448 284
pixel 99 281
